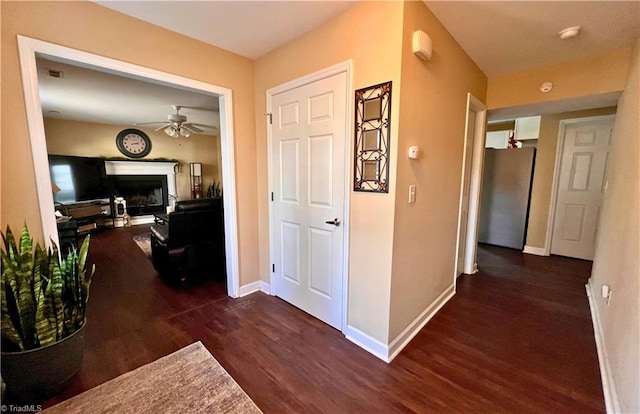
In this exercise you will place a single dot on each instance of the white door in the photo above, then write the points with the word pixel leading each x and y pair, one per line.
pixel 466 185
pixel 581 181
pixel 308 179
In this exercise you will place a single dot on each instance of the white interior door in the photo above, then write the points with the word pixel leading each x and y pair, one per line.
pixel 308 179
pixel 580 186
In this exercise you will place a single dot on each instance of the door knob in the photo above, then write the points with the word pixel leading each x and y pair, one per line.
pixel 335 221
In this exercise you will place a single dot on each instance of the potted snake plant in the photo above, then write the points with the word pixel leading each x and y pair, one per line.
pixel 44 301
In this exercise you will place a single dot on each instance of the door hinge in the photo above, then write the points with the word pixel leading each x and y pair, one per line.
pixel 273 268
pixel 272 196
pixel 270 115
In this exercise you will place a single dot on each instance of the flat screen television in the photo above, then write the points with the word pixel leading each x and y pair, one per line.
pixel 76 179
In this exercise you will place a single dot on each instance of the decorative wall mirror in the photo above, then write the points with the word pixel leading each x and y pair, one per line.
pixel 372 130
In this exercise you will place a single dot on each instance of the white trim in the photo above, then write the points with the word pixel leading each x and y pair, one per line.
pixel 608 385
pixel 556 174
pixel 403 339
pixel 253 287
pixel 343 67
pixel 368 343
pixel 28 49
pixel 388 352
pixel 35 123
pixel 538 251
pixel 475 187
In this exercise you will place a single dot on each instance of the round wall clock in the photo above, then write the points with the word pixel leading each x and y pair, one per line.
pixel 133 143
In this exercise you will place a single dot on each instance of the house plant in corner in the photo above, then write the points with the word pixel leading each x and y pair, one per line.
pixel 44 299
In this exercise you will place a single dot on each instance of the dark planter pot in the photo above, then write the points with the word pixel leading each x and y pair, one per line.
pixel 35 375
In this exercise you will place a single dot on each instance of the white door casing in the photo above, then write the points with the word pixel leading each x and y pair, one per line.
pixel 581 181
pixel 308 179
pixel 464 205
pixel 469 209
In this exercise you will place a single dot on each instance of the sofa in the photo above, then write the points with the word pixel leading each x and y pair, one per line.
pixel 190 244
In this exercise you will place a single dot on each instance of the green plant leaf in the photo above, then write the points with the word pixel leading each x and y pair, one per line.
pixel 43 296
pixel 8 315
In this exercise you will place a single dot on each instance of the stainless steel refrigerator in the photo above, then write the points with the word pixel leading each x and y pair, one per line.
pixel 506 194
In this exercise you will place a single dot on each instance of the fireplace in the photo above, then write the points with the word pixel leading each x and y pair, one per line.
pixel 144 194
pixel 154 196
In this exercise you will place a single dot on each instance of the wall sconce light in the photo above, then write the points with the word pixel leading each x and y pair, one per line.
pixel 196 179
pixel 421 45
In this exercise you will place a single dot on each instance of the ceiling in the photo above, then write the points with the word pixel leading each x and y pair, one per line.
pixel 90 95
pixel 248 28
pixel 508 36
pixel 500 36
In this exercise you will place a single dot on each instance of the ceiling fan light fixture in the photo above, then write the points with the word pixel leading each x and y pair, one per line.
pixel 171 131
pixel 185 132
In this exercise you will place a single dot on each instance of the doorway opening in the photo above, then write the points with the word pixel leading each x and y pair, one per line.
pixel 32 49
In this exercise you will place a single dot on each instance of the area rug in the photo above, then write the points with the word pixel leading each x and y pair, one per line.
pixel 144 242
pixel 187 381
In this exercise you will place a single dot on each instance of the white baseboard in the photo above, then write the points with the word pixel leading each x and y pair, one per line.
pixel 253 287
pixel 368 343
pixel 538 251
pixel 418 323
pixel 608 386
pixel 388 352
pixel 475 269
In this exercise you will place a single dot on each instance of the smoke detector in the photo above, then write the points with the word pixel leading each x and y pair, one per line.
pixel 546 87
pixel 569 32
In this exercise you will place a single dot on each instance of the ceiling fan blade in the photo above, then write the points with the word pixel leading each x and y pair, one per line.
pixel 162 126
pixel 191 128
pixel 150 123
pixel 203 125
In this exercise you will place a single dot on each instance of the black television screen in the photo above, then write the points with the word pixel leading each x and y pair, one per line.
pixel 77 179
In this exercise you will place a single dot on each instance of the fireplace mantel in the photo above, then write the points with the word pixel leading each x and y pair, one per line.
pixel 145 168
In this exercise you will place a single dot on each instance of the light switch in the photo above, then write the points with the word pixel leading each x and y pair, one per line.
pixel 412 193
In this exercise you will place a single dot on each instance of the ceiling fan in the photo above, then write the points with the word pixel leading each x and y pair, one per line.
pixel 177 125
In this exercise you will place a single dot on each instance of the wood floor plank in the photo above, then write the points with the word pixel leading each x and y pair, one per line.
pixel 517 337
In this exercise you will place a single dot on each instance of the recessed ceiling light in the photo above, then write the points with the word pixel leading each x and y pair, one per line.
pixel 569 32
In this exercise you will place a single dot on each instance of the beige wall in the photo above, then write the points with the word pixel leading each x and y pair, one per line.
pixel 593 75
pixel 75 24
pixel 98 140
pixel 544 168
pixel 370 34
pixel 433 111
pixel 617 257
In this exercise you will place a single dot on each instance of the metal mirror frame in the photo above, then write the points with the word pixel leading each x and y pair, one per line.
pixel 371 163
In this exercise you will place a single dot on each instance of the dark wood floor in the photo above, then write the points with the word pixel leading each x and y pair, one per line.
pixel 517 337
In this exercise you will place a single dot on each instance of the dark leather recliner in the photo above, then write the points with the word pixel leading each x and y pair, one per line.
pixel 191 244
